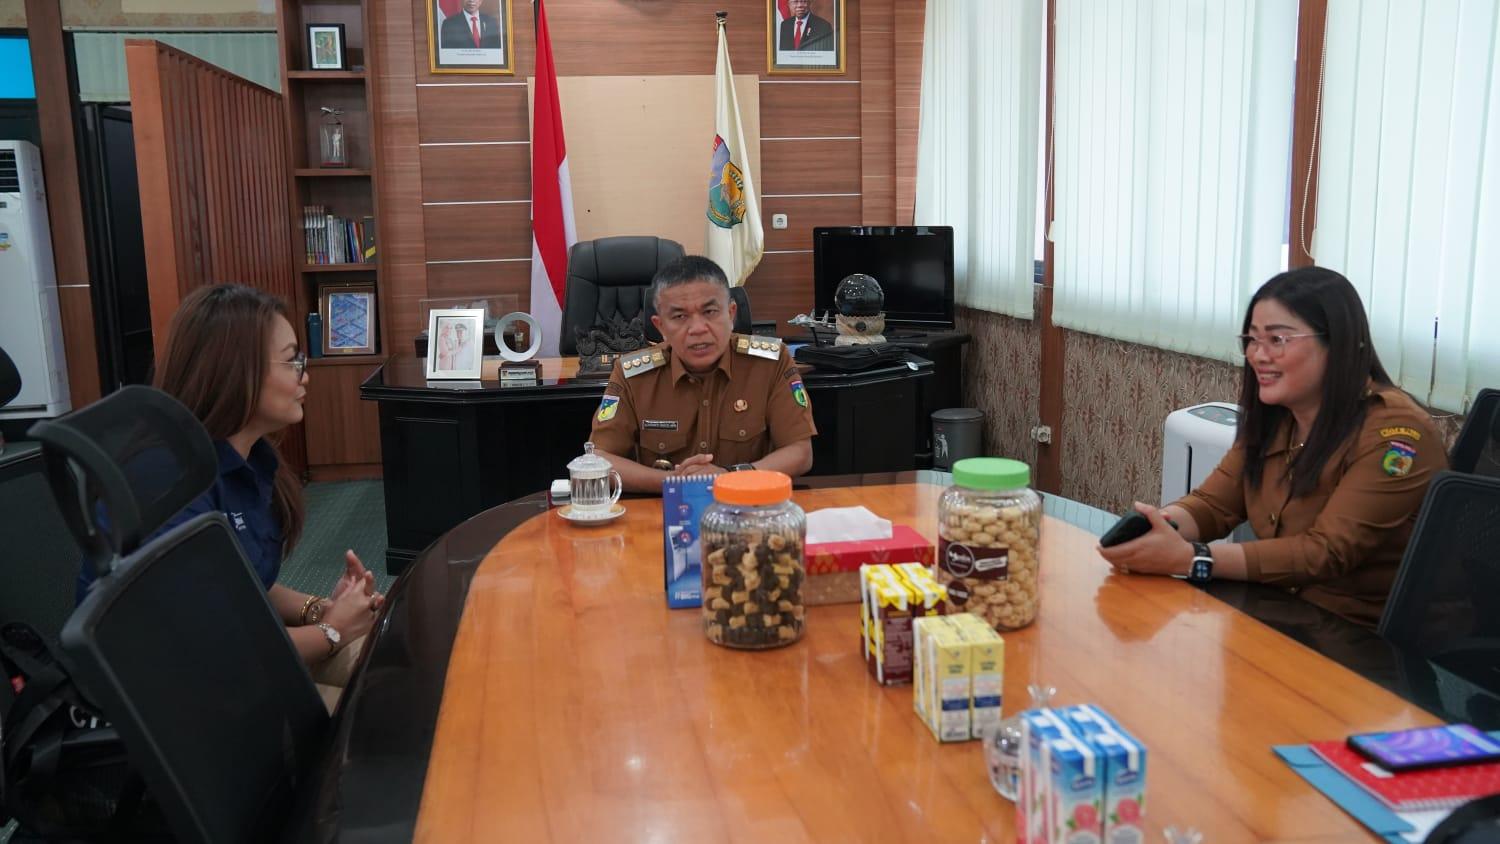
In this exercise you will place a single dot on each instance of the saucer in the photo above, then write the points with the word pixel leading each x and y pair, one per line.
pixel 566 511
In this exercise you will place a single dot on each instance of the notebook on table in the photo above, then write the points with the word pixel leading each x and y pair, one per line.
pixel 1431 788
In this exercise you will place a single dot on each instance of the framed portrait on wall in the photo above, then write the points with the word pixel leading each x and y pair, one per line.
pixel 325 47
pixel 469 36
pixel 455 343
pixel 348 315
pixel 805 36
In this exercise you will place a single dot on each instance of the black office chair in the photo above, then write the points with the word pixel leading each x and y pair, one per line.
pixel 1446 597
pixel 10 379
pixel 608 279
pixel 1477 449
pixel 39 564
pixel 177 642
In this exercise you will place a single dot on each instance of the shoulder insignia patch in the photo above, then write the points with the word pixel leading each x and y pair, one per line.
pixel 1398 458
pixel 760 347
pixel 643 361
pixel 607 407
pixel 799 393
pixel 1410 433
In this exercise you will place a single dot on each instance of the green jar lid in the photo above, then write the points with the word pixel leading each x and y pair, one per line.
pixel 991 473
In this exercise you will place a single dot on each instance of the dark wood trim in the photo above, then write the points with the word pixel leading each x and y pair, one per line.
pixel 1054 341
pixel 1312 20
pixel 54 101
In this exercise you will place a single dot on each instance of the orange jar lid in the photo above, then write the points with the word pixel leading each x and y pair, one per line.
pixel 753 487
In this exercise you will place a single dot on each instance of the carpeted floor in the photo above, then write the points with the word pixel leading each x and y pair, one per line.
pixel 340 515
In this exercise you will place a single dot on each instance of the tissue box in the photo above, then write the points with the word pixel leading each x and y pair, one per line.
pixel 833 567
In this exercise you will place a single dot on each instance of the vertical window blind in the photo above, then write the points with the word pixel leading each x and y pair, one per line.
pixel 1409 185
pixel 1172 146
pixel 977 144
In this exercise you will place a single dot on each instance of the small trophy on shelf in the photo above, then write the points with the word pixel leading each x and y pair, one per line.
pixel 331 137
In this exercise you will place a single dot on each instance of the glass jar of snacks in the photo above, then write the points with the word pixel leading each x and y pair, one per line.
pixel 753 537
pixel 989 532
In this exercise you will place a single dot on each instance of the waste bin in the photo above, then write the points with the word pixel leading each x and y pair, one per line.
pixel 955 435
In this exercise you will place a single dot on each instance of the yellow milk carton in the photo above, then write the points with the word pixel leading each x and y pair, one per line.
pixel 887 603
pixel 944 662
pixel 987 672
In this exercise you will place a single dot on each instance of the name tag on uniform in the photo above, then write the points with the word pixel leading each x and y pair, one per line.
pixel 660 424
pixel 239 521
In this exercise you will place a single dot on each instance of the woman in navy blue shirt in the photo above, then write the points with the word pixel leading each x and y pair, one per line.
pixel 232 358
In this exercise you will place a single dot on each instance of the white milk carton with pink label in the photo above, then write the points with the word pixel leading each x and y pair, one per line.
pixel 1038 726
pixel 1074 790
pixel 1124 773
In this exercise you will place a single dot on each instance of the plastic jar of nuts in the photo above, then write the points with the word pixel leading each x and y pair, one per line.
pixel 989 532
pixel 753 573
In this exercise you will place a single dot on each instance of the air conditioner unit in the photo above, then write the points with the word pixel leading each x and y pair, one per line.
pixel 30 325
pixel 1196 439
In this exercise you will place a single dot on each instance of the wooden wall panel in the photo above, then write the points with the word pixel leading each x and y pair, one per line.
pixel 781 287
pixel 471 232
pixel 403 267
pixel 49 63
pixel 803 214
pixel 802 167
pixel 910 20
pixel 486 111
pixel 878 112
pixel 486 279
pixel 483 172
pixel 810 109
pixel 208 217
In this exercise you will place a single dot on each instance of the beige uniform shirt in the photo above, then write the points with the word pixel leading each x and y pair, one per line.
pixel 751 404
pixel 1338 547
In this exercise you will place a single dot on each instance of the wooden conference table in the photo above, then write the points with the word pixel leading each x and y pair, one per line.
pixel 578 708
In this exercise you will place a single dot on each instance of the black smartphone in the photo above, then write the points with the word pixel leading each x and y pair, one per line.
pixel 1132 525
pixel 1427 747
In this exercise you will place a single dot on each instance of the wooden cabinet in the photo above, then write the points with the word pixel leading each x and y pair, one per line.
pixel 342 432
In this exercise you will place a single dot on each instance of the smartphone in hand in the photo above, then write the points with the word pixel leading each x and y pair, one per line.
pixel 1132 525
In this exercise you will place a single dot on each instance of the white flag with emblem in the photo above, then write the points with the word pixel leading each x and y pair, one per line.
pixel 735 239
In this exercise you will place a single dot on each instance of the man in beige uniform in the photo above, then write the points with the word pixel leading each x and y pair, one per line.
pixel 706 400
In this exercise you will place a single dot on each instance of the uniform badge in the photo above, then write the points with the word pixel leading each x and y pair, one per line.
pixel 660 424
pixel 1410 433
pixel 1398 458
pixel 740 405
pixel 607 407
pixel 799 394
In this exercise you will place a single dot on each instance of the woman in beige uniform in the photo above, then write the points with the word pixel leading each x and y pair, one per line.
pixel 1329 466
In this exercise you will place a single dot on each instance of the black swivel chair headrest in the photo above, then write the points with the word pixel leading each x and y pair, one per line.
pixel 135 457
pixel 608 278
pixel 1477 448
pixel 10 379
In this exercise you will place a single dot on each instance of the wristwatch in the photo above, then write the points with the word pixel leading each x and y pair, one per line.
pixel 332 636
pixel 742 467
pixel 1201 571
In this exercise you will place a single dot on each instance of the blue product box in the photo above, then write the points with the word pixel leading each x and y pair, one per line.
pixel 683 500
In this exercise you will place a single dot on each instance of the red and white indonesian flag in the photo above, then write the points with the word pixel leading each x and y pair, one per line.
pixel 735 239
pixel 552 229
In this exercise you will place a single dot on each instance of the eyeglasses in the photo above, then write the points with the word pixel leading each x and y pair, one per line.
pixel 1275 343
pixel 298 363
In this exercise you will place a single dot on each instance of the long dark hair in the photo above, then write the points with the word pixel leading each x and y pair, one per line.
pixel 1329 304
pixel 215 362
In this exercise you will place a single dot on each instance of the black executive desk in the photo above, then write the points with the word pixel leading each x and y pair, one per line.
pixel 367 786
pixel 450 450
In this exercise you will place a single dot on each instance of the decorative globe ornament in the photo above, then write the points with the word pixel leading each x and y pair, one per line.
pixel 859 301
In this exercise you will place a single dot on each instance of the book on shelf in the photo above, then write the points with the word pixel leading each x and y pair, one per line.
pixel 331 239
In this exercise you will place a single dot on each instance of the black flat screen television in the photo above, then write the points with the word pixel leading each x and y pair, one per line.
pixel 914 265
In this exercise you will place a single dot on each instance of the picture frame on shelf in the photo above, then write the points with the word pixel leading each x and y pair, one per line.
pixel 470 36
pixel 805 36
pixel 325 47
pixel 455 345
pixel 348 312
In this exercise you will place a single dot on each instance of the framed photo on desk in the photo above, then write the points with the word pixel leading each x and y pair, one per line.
pixel 455 344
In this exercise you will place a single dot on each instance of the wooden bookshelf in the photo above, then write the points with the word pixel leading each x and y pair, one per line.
pixel 342 431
